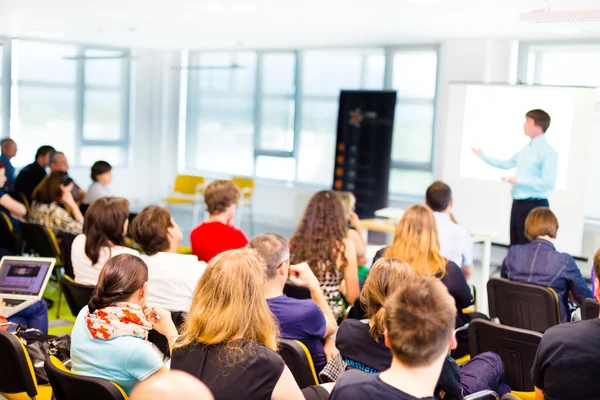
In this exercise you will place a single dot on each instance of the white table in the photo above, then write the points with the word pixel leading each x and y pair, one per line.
pixel 393 215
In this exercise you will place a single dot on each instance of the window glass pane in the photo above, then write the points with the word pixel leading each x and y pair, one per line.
pixel 46 116
pixel 413 127
pixel 414 74
pixel 277 125
pixel 375 70
pixel 327 72
pixel 278 72
pixel 114 155
pixel 102 115
pixel 410 182
pixel 39 61
pixel 317 141
pixel 103 72
pixel 275 168
pixel 225 72
pixel 224 136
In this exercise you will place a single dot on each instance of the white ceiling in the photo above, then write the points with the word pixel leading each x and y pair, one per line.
pixel 279 23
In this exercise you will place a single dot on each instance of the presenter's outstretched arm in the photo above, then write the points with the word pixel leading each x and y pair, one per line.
pixel 495 162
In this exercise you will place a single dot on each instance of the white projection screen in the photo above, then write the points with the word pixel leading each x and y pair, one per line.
pixel 491 117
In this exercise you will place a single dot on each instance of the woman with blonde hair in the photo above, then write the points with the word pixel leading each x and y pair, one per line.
pixel 416 242
pixel 321 240
pixel 229 340
pixel 355 233
pixel 362 345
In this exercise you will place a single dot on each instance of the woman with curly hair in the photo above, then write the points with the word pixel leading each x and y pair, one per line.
pixel 321 240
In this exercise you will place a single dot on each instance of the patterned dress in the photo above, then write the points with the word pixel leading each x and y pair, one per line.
pixel 331 287
pixel 56 217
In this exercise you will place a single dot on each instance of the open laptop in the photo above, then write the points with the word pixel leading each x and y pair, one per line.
pixel 23 281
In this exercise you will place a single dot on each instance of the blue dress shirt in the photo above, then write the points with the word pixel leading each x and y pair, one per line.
pixel 9 170
pixel 536 164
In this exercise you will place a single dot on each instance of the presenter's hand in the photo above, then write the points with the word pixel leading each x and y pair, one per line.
pixel 510 179
pixel 477 152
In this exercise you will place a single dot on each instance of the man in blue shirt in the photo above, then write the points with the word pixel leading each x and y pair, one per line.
pixel 536 168
pixel 9 150
pixel 310 321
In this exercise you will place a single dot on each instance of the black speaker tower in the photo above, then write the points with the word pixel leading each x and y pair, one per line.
pixel 364 146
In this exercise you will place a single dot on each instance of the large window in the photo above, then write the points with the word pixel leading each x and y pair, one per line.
pixel 273 114
pixel 72 97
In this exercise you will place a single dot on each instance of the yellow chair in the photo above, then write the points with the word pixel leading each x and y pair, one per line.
pixel 187 190
pixel 299 361
pixel 69 385
pixel 246 187
pixel 17 380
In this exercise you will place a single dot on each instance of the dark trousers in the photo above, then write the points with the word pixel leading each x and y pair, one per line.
pixel 483 372
pixel 518 214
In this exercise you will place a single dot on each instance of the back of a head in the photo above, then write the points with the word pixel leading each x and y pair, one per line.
pixel 48 190
pixel 104 225
pixel 320 235
pixel 596 268
pixel 171 385
pixel 420 318
pixel 541 221
pixel 119 279
pixel 348 201
pixel 43 151
pixel 219 195
pixel 229 304
pixel 385 276
pixel 99 168
pixel 416 242
pixel 541 118
pixel 273 249
pixel 149 229
pixel 55 156
pixel 438 196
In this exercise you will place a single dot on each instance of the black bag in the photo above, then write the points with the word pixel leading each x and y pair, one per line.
pixel 40 347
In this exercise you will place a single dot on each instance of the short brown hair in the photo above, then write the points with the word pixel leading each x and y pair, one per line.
pixel 149 229
pixel 541 118
pixel 596 265
pixel 48 190
pixel 103 225
pixel 420 318
pixel 541 221
pixel 438 196
pixel 219 195
pixel 274 250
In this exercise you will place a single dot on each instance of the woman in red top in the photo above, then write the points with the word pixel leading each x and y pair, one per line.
pixel 218 233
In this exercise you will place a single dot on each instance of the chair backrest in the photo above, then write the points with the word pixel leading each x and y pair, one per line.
pixel 16 369
pixel 40 239
pixel 188 184
pixel 522 305
pixel 245 185
pixel 590 309
pixel 8 240
pixel 76 294
pixel 516 347
pixel 67 385
pixel 299 361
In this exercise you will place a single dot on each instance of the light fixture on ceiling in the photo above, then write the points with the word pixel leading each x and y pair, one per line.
pixel 547 15
pixel 45 34
pixel 91 58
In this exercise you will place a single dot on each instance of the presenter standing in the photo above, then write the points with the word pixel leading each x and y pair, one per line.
pixel 536 167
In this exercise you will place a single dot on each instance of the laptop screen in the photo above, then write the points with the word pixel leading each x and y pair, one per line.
pixel 24 277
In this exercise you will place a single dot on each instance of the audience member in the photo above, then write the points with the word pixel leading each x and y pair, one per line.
pixel 309 321
pixel 539 263
pixel 218 233
pixel 171 385
pixel 8 149
pixel 35 316
pixel 104 229
pixel 419 324
pixel 109 339
pixel 58 162
pixel 568 360
pixel 53 204
pixel 355 232
pixel 13 208
pixel 101 177
pixel 362 343
pixel 230 336
pixel 321 240
pixel 416 242
pixel 172 277
pixel 32 174
pixel 456 243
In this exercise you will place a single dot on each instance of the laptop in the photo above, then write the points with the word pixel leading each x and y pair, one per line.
pixel 23 281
